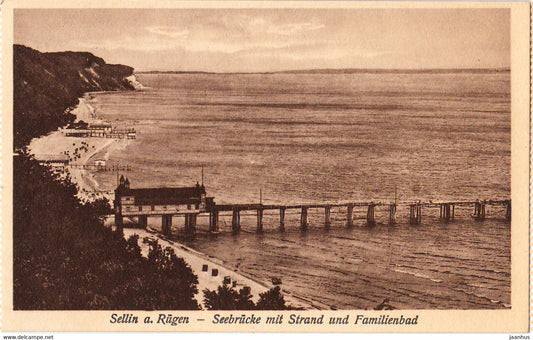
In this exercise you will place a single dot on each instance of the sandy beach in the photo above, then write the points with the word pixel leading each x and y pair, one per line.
pixel 211 272
pixel 80 152
pixel 84 151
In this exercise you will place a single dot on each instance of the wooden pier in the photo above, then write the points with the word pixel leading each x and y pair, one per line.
pixel 447 212
pixel 101 168
pixel 191 202
pixel 101 131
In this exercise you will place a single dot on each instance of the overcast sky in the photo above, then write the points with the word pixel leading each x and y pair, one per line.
pixel 233 40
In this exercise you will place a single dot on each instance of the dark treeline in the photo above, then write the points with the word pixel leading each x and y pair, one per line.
pixel 227 298
pixel 47 84
pixel 64 258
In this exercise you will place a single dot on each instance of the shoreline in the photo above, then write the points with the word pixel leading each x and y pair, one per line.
pixel 197 260
pixel 56 144
pixel 80 151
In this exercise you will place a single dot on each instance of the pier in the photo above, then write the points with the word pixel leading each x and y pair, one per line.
pixel 191 202
pixel 100 167
pixel 102 130
pixel 447 212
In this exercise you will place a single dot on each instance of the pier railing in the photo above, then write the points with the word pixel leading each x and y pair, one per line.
pixel 447 211
pixel 446 208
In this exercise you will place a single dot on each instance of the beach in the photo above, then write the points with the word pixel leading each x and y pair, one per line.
pixel 211 271
pixel 80 152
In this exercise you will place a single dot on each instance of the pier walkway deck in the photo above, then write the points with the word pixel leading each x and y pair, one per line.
pixel 447 212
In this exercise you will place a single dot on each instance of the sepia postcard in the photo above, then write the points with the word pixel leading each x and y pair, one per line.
pixel 310 166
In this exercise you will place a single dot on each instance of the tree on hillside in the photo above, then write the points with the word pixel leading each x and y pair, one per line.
pixel 227 298
pixel 272 300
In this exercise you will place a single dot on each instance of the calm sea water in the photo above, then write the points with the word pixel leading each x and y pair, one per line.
pixel 324 137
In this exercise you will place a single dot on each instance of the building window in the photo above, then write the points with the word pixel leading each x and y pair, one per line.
pixel 188 207
pixel 164 207
pixel 140 208
pixel 152 208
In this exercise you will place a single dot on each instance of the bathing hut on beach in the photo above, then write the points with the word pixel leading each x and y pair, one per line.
pixel 77 132
pixel 77 129
pixel 100 129
pixel 56 162
pixel 100 163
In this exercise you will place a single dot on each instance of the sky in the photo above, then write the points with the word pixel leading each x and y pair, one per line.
pixel 263 40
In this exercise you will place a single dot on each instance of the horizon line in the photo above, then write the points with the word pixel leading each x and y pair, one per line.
pixel 339 70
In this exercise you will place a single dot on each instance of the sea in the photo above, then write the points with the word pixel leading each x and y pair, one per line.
pixel 289 138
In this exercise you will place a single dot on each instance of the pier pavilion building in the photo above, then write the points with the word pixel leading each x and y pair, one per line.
pixel 165 202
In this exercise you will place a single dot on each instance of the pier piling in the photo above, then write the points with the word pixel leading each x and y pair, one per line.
pixel 190 224
pixel 166 224
pixel 119 221
pixel 213 221
pixel 143 221
pixel 259 220
pixel 303 219
pixel 236 221
pixel 282 219
pixel 193 223
pixel 349 216
pixel 447 211
pixel 453 211
pixel 327 213
pixel 479 210
pixel 415 213
pixel 370 218
pixel 392 213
